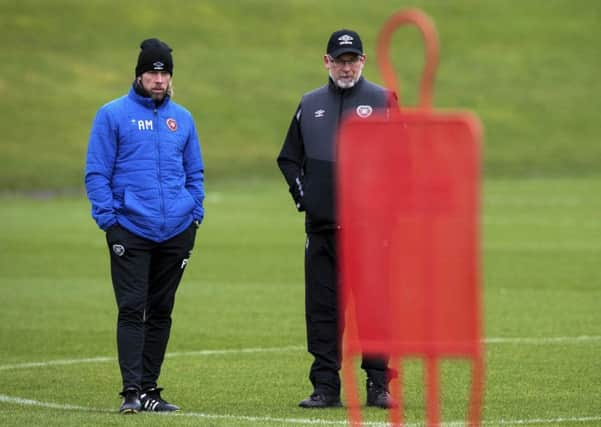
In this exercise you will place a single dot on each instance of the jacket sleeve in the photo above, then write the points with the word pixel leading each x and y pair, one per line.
pixel 194 169
pixel 100 162
pixel 291 160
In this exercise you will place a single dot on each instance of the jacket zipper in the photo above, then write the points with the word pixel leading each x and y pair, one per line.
pixel 337 125
pixel 158 167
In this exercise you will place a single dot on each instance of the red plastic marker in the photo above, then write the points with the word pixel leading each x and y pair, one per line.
pixel 408 188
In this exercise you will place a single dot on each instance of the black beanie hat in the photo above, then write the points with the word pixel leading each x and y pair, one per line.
pixel 154 56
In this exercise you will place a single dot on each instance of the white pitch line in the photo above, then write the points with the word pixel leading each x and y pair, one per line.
pixel 560 421
pixel 583 339
pixel 56 363
pixel 491 220
pixel 543 247
pixel 235 351
pixel 62 362
pixel 303 421
pixel 529 202
pixel 30 402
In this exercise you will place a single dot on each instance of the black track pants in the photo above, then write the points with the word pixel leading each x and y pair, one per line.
pixel 321 313
pixel 145 277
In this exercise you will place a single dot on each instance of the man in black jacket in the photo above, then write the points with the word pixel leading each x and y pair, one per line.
pixel 307 163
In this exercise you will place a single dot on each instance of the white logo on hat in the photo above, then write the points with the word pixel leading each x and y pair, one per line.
pixel 364 111
pixel 319 113
pixel 345 39
pixel 158 65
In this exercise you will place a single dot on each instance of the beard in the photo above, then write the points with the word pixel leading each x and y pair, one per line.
pixel 347 84
pixel 155 96
pixel 158 96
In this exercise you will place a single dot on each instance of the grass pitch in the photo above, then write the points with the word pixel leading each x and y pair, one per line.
pixel 236 355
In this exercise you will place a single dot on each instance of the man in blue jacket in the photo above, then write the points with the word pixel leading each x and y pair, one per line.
pixel 145 181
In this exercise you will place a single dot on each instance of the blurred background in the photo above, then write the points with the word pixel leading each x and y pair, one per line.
pixel 529 69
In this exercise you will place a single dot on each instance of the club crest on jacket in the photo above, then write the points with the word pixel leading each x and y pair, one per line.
pixel 172 124
pixel 364 111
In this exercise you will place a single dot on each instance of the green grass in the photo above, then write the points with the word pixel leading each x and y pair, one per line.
pixel 528 68
pixel 244 290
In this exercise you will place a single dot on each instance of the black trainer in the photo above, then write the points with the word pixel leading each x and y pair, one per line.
pixel 152 401
pixel 378 395
pixel 320 400
pixel 131 401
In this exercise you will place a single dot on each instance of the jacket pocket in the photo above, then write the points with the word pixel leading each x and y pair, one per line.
pixel 318 199
pixel 182 205
pixel 136 205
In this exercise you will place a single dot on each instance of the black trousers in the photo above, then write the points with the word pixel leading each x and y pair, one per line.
pixel 321 313
pixel 145 277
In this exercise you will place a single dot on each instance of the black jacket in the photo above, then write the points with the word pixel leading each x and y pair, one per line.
pixel 308 154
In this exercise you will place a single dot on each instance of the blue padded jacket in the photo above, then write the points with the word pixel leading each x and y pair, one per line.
pixel 144 167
